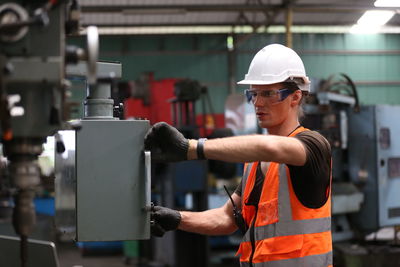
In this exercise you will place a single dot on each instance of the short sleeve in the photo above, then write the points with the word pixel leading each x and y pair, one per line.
pixel 311 181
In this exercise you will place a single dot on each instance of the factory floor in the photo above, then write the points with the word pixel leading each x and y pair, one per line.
pixel 71 256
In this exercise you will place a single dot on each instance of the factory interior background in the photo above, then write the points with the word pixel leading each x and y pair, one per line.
pixel 354 102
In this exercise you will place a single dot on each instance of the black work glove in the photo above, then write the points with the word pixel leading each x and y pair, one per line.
pixel 166 143
pixel 163 219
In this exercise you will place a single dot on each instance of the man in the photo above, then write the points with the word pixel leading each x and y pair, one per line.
pixel 284 196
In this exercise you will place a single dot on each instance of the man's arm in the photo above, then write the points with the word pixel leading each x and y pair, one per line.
pixel 252 148
pixel 218 221
pixel 167 144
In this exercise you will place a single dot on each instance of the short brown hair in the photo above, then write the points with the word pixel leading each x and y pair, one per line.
pixel 293 86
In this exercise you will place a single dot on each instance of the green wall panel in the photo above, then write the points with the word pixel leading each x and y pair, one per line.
pixel 370 95
pixel 372 61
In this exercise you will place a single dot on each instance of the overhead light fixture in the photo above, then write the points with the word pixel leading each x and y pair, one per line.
pixel 371 21
pixel 227 29
pixel 359 29
pixel 387 3
pixel 375 17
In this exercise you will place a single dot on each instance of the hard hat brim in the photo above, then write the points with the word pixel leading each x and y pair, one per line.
pixel 304 87
pixel 257 82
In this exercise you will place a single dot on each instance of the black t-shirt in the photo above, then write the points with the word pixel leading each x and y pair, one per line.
pixel 310 181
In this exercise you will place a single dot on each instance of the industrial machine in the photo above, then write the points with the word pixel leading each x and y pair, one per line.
pixel 374 165
pixel 34 64
pixel 105 158
pixel 32 93
pixel 365 157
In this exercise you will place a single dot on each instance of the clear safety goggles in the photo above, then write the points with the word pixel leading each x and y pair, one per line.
pixel 272 96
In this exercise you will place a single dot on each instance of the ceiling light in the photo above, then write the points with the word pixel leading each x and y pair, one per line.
pixel 375 17
pixel 387 3
pixel 226 29
pixel 359 29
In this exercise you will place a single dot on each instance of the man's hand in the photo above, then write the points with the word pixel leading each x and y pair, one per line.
pixel 163 220
pixel 166 143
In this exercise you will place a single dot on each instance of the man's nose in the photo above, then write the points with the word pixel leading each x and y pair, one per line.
pixel 259 101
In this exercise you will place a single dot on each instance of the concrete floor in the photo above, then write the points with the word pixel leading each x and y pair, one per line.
pixel 71 256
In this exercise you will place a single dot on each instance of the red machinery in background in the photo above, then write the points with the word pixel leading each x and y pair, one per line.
pixel 157 100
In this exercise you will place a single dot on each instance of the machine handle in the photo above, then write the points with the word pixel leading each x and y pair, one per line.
pixel 147 166
pixel 92 53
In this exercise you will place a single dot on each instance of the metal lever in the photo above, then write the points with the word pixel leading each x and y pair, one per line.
pixel 92 53
pixel 149 206
pixel 147 164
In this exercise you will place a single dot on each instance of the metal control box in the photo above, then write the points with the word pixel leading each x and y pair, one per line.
pixel 374 164
pixel 107 190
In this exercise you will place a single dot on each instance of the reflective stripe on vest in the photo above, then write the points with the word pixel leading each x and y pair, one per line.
pixel 286 225
pixel 284 241
pixel 290 228
pixel 307 261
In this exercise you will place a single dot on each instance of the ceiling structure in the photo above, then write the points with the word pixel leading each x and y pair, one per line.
pixel 216 14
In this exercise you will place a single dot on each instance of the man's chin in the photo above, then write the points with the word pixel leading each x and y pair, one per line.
pixel 264 124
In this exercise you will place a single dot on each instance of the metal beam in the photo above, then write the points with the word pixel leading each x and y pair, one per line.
pixel 174 9
pixel 230 23
pixel 288 24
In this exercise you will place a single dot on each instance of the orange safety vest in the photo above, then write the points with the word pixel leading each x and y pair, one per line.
pixel 282 231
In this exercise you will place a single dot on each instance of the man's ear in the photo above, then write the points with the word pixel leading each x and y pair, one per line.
pixel 296 98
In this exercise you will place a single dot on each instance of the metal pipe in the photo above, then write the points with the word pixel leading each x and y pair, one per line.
pixel 288 24
pixel 377 83
pixel 221 52
pixel 164 9
pixel 225 27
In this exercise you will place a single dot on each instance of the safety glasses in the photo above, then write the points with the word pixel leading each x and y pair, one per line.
pixel 272 96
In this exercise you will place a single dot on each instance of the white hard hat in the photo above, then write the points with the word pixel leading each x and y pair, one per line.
pixel 276 63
